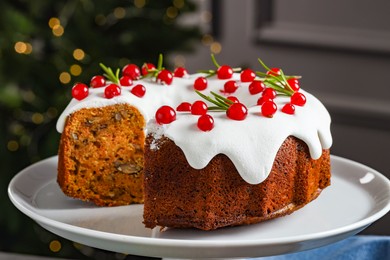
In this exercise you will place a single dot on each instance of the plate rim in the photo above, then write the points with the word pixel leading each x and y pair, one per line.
pixel 46 221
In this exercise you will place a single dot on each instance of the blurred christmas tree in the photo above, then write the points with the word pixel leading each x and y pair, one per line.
pixel 46 46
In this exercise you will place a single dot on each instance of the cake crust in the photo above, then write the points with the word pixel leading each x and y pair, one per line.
pixel 179 196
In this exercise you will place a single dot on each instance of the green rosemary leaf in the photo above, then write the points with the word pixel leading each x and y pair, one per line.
pixel 285 81
pixel 215 108
pixel 109 74
pixel 263 64
pixel 275 86
pixel 223 99
pixel 160 62
pixel 117 74
pixel 277 82
pixel 221 105
pixel 209 73
pixel 214 61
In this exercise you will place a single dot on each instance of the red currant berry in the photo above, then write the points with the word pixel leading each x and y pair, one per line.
pixel 184 107
pixel 274 72
pixel 294 84
pixel 247 75
pixel 233 99
pixel 205 122
pixel 199 108
pixel 165 115
pixel 224 72
pixel 288 109
pixel 268 108
pixel 165 77
pixel 125 81
pixel 112 90
pixel 180 72
pixel 230 86
pixel 97 81
pixel 80 91
pixel 138 90
pixel 146 68
pixel 298 99
pixel 269 92
pixel 237 111
pixel 132 71
pixel 256 87
pixel 263 99
pixel 200 83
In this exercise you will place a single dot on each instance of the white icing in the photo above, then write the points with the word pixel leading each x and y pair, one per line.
pixel 250 144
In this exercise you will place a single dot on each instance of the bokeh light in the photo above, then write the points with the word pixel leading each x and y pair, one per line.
pixel 75 70
pixel 78 54
pixel 65 77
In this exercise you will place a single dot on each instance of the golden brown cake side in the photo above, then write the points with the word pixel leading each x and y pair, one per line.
pixel 100 156
pixel 177 195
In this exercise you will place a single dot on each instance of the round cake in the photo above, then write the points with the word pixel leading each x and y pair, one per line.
pixel 217 148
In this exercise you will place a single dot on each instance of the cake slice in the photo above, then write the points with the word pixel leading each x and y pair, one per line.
pixel 101 155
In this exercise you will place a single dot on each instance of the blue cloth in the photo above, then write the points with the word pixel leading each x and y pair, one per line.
pixel 353 248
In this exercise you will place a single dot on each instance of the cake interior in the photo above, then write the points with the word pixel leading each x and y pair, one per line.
pixel 101 155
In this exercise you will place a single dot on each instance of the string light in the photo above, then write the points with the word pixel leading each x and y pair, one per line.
pixel 23 47
pixel 20 47
pixel 207 39
pixel 178 4
pixel 58 30
pixel 215 47
pixel 65 77
pixel 25 140
pixel 139 3
pixel 37 118
pixel 54 21
pixel 55 246
pixel 119 12
pixel 52 112
pixel 100 20
pixel 78 54
pixel 75 70
pixel 206 17
pixel 28 96
pixel 172 12
pixel 16 128
pixel 12 145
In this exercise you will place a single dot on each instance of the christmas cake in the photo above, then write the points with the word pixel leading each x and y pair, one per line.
pixel 218 148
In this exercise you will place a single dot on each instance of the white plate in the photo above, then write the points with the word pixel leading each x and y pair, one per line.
pixel 357 197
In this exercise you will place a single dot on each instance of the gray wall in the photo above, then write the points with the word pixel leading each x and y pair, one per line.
pixel 342 49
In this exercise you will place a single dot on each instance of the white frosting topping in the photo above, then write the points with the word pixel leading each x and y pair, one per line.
pixel 250 144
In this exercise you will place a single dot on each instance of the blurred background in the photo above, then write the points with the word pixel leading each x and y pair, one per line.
pixel 342 50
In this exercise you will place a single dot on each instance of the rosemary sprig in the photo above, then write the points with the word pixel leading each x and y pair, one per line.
pixel 221 103
pixel 214 60
pixel 277 82
pixel 109 74
pixel 154 72
pixel 208 72
pixel 160 62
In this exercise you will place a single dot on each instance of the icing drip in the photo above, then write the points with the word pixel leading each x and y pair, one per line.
pixel 250 144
